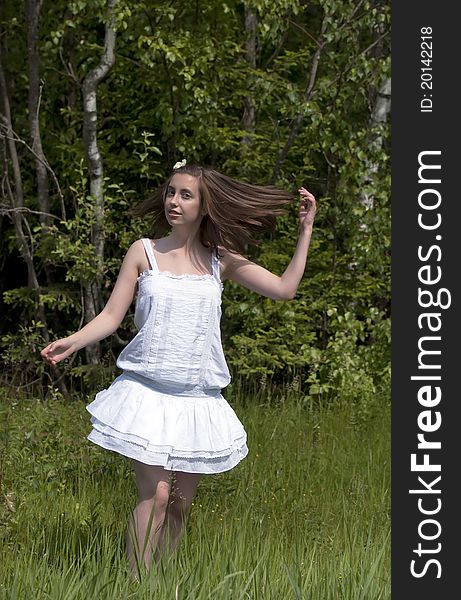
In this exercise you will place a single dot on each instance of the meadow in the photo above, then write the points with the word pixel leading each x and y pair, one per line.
pixel 305 516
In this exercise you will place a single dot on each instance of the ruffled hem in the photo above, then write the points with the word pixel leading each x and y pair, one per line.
pixel 195 434
pixel 169 461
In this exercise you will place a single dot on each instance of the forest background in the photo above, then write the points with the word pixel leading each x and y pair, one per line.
pixel 99 99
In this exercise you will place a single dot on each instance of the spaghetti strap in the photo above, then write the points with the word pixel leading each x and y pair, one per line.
pixel 216 266
pixel 150 254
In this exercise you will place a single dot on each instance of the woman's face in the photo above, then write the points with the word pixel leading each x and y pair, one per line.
pixel 182 201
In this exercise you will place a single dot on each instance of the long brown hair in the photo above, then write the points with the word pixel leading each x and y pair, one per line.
pixel 235 210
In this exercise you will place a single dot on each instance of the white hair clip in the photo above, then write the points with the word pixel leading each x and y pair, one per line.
pixel 181 163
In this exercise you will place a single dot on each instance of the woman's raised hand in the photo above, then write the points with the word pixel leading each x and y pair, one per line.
pixel 307 209
pixel 58 350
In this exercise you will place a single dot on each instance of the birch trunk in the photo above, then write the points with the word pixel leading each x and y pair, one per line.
pixel 379 115
pixel 92 289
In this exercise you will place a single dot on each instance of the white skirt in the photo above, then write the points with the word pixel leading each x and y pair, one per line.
pixel 193 434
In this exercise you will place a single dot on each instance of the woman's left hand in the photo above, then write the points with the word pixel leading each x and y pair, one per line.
pixel 307 209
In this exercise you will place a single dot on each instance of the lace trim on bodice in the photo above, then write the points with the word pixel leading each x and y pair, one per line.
pixel 148 272
pixel 188 276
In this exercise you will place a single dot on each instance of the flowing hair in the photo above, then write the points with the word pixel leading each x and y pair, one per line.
pixel 235 211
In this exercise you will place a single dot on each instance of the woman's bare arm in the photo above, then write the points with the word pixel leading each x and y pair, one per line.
pixel 260 280
pixel 109 319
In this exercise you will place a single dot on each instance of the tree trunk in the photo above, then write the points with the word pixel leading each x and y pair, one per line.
pixel 92 290
pixel 249 110
pixel 379 114
pixel 33 13
pixel 16 197
pixel 381 101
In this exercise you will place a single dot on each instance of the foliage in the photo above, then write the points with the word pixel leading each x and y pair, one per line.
pixel 177 90
pixel 18 348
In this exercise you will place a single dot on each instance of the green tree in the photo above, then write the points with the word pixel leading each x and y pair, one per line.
pixel 284 92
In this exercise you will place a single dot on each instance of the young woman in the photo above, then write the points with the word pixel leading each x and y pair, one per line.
pixel 165 411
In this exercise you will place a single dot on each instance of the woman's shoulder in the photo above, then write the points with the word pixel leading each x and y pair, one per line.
pixel 228 260
pixel 138 245
pixel 136 254
pixel 134 261
pixel 228 255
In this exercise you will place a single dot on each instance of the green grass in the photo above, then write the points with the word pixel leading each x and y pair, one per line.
pixel 304 516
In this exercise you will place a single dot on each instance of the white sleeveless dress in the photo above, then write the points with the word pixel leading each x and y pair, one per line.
pixel 166 407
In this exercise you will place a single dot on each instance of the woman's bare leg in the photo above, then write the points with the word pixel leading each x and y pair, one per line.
pixel 153 484
pixel 183 488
